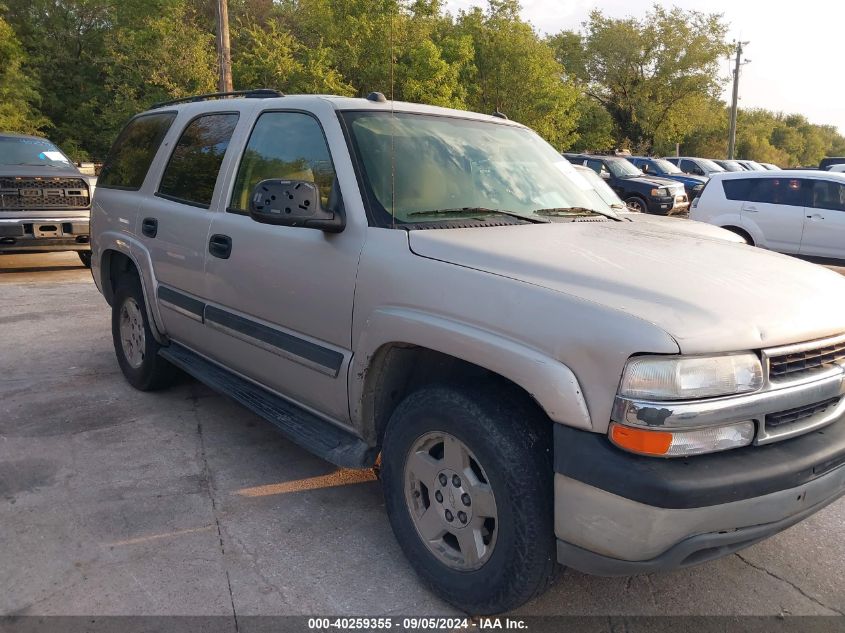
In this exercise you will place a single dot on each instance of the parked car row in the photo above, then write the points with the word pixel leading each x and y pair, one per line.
pixel 641 192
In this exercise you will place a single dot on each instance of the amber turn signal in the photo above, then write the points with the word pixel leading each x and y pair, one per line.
pixel 640 440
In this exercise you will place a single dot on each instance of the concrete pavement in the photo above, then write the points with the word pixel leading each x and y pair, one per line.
pixel 114 501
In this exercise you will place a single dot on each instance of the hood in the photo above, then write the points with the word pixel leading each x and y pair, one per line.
pixel 687 179
pixel 684 226
pixel 38 171
pixel 652 181
pixel 709 294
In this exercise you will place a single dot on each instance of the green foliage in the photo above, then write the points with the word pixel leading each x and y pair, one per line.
pixel 649 74
pixel 79 69
pixel 515 72
pixel 18 95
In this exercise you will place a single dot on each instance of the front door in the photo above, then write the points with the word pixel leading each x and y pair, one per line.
pixel 174 223
pixel 824 220
pixel 280 305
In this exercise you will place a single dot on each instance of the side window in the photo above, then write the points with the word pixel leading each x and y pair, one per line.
pixel 828 195
pixel 132 153
pixel 287 145
pixel 597 166
pixel 784 191
pixel 739 189
pixel 691 168
pixel 192 171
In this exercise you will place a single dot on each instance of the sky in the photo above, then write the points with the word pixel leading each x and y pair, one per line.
pixel 795 47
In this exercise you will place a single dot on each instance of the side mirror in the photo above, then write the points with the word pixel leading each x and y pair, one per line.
pixel 293 203
pixel 605 175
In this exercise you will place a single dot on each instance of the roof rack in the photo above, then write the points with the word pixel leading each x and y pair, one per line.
pixel 255 93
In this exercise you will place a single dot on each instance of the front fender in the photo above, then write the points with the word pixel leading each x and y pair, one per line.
pixel 551 383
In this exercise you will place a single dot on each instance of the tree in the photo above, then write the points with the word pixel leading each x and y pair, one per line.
pixel 649 73
pixel 18 92
pixel 515 72
pixel 271 57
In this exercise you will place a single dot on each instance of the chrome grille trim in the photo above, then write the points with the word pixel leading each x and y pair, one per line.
pixel 793 362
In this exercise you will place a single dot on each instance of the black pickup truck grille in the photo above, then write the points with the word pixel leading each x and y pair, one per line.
pixel 31 193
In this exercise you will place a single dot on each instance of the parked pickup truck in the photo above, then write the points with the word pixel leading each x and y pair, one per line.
pixel 641 192
pixel 540 379
pixel 45 201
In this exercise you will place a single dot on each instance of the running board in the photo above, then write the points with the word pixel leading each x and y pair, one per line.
pixel 309 431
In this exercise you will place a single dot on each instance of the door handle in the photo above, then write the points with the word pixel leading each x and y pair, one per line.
pixel 750 209
pixel 149 227
pixel 815 216
pixel 220 246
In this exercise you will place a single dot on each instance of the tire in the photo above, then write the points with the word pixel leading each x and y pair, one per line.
pixel 508 440
pixel 743 234
pixel 637 204
pixel 85 258
pixel 135 345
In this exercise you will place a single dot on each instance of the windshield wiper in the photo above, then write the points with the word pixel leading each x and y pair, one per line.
pixel 477 211
pixel 570 211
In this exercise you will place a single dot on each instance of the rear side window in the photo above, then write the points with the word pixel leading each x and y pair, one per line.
pixel 133 151
pixel 828 195
pixel 192 171
pixel 738 189
pixel 785 191
pixel 285 145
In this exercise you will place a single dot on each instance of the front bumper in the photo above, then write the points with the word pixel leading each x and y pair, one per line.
pixel 39 235
pixel 669 205
pixel 618 514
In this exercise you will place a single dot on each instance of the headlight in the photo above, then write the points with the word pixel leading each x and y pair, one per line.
pixel 679 443
pixel 659 192
pixel 685 378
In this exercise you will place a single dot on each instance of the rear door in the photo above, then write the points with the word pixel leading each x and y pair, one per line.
pixel 776 207
pixel 824 221
pixel 174 223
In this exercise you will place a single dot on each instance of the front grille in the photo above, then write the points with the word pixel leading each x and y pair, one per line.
pixel 18 194
pixel 797 414
pixel 792 363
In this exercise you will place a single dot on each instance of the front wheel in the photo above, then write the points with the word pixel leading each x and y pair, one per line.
pixel 134 343
pixel 636 204
pixel 467 479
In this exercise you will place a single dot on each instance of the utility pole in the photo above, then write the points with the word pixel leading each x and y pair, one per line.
pixel 224 53
pixel 735 99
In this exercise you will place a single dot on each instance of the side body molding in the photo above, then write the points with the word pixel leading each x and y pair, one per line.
pixel 551 383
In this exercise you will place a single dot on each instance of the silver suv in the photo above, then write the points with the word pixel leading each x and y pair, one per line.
pixel 543 379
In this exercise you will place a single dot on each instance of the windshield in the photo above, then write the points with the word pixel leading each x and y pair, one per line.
pixel 665 166
pixel 30 151
pixel 621 167
pixel 416 167
pixel 731 165
pixel 602 188
pixel 708 165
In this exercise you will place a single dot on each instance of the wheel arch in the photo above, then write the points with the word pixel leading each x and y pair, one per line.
pixel 114 263
pixel 429 350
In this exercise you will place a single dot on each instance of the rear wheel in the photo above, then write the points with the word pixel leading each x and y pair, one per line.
pixel 134 344
pixel 742 233
pixel 467 478
pixel 85 258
